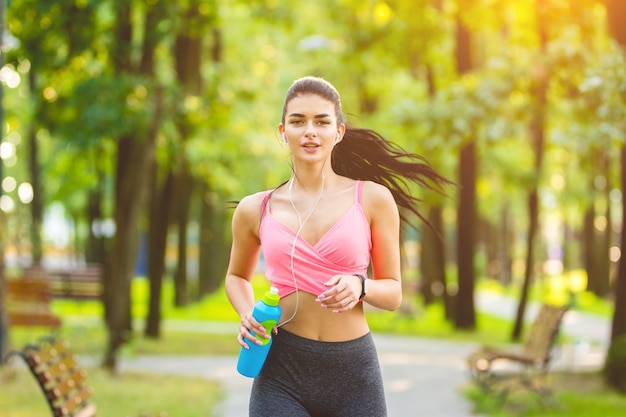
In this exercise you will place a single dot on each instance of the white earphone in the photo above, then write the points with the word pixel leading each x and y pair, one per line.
pixel 284 138
pixel 336 140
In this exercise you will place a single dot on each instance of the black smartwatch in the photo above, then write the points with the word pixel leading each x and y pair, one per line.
pixel 363 286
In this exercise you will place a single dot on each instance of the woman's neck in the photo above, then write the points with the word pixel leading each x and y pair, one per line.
pixel 310 177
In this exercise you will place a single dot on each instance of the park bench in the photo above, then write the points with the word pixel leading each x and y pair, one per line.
pixel 28 303
pixel 82 282
pixel 62 380
pixel 527 368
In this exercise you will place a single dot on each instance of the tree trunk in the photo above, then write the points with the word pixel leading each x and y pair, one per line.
pixel 465 314
pixel 36 206
pixel 505 259
pixel 603 284
pixel 465 309
pixel 616 11
pixel 213 255
pixel 161 198
pixel 433 257
pixel 618 328
pixel 597 240
pixel 213 246
pixel 432 261
pixel 589 237
pixel 183 197
pixel 134 158
pixel 95 248
pixel 537 132
pixel 188 57
pixel 133 155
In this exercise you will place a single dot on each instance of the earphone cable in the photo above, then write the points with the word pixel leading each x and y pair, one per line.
pixel 295 241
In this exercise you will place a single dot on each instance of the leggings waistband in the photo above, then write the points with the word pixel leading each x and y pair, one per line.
pixel 298 342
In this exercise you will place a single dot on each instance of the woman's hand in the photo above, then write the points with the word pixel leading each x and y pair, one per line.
pixel 343 294
pixel 248 325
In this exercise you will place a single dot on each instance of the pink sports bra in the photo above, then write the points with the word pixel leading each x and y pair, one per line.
pixel 343 249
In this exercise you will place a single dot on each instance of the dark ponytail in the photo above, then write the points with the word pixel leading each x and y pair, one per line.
pixel 364 154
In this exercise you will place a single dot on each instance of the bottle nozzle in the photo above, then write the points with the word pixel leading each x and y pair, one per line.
pixel 272 297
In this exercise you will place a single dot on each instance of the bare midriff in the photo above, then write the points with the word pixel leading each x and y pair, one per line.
pixel 312 321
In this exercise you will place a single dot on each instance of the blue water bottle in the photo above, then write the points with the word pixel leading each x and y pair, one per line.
pixel 267 312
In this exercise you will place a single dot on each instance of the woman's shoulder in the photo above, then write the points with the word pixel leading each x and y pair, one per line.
pixel 375 191
pixel 250 206
pixel 377 198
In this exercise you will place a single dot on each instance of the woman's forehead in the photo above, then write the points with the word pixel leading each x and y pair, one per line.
pixel 310 103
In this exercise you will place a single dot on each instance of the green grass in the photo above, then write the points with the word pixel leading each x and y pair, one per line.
pixel 127 394
pixel 580 394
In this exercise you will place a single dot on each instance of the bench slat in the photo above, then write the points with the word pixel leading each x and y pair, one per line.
pixel 77 400
pixel 36 355
pixel 56 370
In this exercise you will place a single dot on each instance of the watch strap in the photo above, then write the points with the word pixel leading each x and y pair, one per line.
pixel 363 286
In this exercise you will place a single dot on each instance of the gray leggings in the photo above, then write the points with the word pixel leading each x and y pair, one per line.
pixel 307 378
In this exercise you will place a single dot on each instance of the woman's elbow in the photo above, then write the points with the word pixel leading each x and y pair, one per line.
pixel 395 302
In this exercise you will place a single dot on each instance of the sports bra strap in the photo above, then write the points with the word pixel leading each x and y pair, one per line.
pixel 265 203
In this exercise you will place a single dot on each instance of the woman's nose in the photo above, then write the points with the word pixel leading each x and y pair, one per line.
pixel 310 129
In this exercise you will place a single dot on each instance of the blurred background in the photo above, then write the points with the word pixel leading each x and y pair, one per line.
pixel 130 126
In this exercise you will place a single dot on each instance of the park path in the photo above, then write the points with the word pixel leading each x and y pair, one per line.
pixel 423 377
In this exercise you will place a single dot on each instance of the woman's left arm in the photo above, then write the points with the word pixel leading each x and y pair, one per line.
pixel 385 290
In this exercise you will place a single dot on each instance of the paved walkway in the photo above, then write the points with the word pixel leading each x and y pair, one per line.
pixel 422 377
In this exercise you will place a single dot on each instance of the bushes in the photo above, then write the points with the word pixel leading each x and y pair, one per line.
pixel 615 366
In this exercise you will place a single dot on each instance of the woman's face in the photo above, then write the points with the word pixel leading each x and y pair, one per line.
pixel 310 127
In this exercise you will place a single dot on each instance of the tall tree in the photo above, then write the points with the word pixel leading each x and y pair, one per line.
pixel 465 314
pixel 161 205
pixel 213 243
pixel 135 152
pixel 539 92
pixel 616 12
pixel 34 166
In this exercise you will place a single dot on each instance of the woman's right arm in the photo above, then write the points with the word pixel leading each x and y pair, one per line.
pixel 244 256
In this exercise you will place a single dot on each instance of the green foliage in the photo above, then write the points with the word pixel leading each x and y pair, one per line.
pixel 126 394
pixel 103 107
pixel 615 365
pixel 51 33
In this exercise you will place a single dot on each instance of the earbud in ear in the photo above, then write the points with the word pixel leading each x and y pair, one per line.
pixel 336 140
pixel 284 138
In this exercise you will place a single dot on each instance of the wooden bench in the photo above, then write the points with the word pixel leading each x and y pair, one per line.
pixel 82 282
pixel 62 380
pixel 28 303
pixel 527 368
